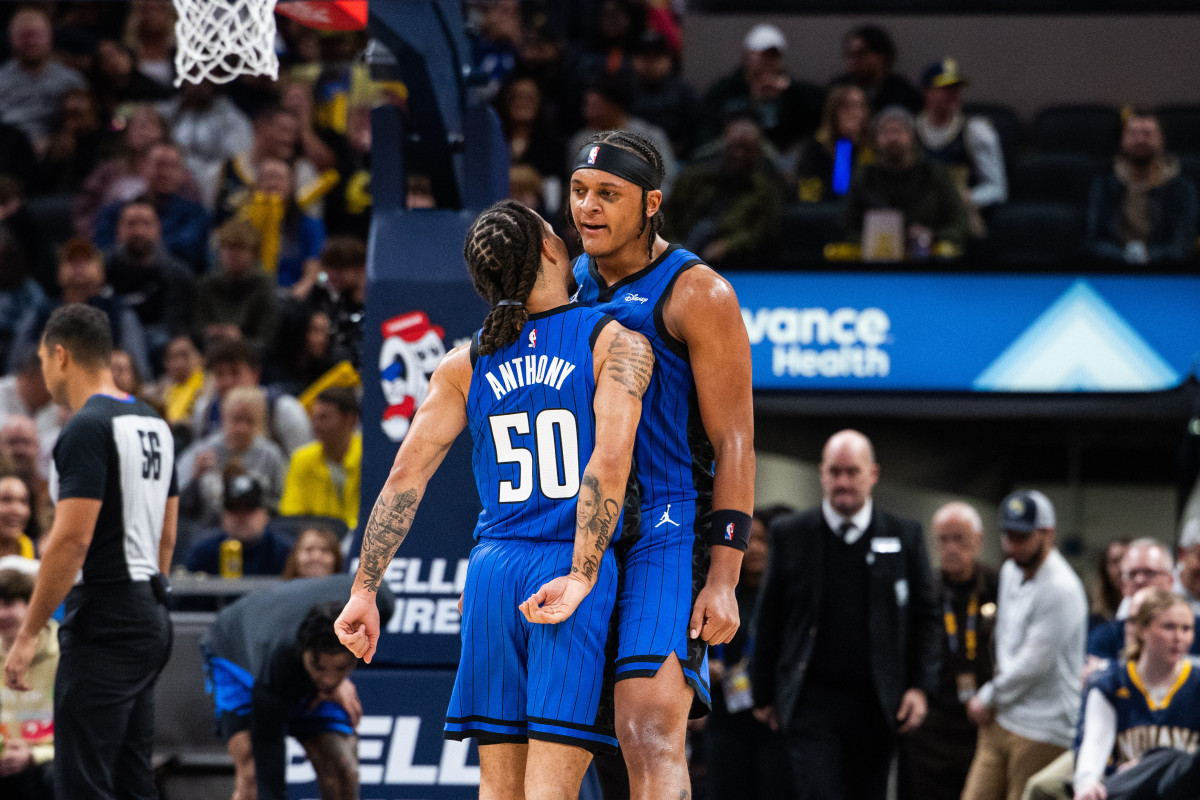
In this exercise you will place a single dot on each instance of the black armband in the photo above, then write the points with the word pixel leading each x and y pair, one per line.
pixel 730 529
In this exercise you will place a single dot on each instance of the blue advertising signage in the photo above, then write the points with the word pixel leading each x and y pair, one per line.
pixel 959 332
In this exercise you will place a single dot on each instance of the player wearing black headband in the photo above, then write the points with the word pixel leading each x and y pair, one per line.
pixel 693 459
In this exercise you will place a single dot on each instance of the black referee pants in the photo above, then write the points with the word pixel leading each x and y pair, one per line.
pixel 114 641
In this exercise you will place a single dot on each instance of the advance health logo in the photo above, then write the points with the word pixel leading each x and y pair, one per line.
pixel 1079 344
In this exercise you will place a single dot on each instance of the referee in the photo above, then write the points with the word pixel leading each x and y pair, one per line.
pixel 113 480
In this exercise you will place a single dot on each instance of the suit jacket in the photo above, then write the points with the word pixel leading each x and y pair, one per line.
pixel 904 617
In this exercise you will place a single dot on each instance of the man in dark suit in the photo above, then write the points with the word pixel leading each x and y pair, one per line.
pixel 847 638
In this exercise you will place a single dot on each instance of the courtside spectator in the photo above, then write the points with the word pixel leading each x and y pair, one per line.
pixel 239 448
pixel 210 129
pixel 533 138
pixel 1148 698
pixel 304 350
pixel 26 717
pixel 494 50
pixel 1145 211
pixel 661 96
pixel 181 384
pixel 291 240
pixel 606 105
pixel 125 374
pixel 143 273
pixel 30 82
pixel 21 449
pixel 117 81
pixel 324 477
pixel 238 300
pixel 316 554
pixel 1027 713
pixel 728 211
pixel 1147 564
pixel 902 178
pixel 841 145
pixel 150 34
pixel 870 57
pixel 790 110
pixel 1187 577
pixel 16 514
pixel 969 146
pixel 236 363
pixel 343 292
pixel 297 97
pixel 75 143
pixel 82 279
pixel 245 519
pixel 184 223
pixel 1105 593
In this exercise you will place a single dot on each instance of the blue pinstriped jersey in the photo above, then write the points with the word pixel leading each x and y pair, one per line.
pixel 673 458
pixel 1144 723
pixel 530 412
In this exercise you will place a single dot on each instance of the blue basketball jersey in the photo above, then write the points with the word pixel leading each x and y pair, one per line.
pixel 530 413
pixel 1142 722
pixel 673 458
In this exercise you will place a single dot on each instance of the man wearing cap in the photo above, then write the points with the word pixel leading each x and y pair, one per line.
pixel 246 520
pixel 902 178
pixel 1027 713
pixel 790 110
pixel 969 146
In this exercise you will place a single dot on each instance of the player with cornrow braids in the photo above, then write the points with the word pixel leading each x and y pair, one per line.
pixel 548 388
pixel 504 245
pixel 693 460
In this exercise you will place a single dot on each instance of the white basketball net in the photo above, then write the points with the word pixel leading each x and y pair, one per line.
pixel 218 40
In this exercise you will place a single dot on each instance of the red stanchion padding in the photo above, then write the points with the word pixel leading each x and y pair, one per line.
pixel 326 15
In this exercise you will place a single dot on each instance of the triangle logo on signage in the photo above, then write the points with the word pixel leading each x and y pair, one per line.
pixel 1078 344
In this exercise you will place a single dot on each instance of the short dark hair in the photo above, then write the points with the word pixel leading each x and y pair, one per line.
pixel 232 352
pixel 83 331
pixel 876 39
pixel 316 634
pixel 343 398
pixel 344 252
pixel 15 585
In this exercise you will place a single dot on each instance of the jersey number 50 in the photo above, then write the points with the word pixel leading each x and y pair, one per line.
pixel 556 435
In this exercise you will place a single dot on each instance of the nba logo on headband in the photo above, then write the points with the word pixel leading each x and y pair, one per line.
pixel 592 155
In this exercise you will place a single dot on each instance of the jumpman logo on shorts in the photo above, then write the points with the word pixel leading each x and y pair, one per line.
pixel 666 517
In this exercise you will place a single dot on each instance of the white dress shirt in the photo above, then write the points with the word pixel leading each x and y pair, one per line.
pixel 859 522
pixel 1041 634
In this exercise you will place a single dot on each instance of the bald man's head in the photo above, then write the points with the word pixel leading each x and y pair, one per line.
pixel 848 471
pixel 958 531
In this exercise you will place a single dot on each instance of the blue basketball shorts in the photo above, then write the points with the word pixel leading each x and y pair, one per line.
pixel 518 680
pixel 663 567
pixel 231 688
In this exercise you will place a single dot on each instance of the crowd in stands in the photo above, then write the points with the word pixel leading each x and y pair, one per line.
pixel 222 230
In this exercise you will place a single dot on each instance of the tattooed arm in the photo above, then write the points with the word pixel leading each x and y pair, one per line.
pixel 435 426
pixel 624 362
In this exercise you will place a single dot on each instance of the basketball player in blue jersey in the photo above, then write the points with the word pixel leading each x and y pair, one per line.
pixel 552 394
pixel 1147 699
pixel 693 461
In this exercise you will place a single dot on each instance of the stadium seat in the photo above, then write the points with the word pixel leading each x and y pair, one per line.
pixel 1181 127
pixel 1093 129
pixel 1006 122
pixel 1034 234
pixel 1054 178
pixel 805 230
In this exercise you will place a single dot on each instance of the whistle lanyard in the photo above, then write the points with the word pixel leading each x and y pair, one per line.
pixel 951 622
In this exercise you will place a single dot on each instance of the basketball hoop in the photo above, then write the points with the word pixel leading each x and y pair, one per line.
pixel 218 40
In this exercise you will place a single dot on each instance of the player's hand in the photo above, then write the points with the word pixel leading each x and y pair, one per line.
pixel 556 600
pixel 17 755
pixel 978 712
pixel 767 716
pixel 913 709
pixel 346 696
pixel 715 615
pixel 16 665
pixel 357 626
pixel 1094 792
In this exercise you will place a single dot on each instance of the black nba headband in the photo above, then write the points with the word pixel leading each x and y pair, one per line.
pixel 620 162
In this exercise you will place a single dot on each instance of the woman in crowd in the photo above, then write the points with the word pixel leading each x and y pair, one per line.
pixel 316 554
pixel 826 161
pixel 126 375
pixel 1149 698
pixel 1106 590
pixel 241 446
pixel 18 528
pixel 182 381
pixel 291 240
pixel 531 136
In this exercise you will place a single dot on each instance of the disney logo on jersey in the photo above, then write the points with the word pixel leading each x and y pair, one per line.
pixel 634 297
pixel 412 348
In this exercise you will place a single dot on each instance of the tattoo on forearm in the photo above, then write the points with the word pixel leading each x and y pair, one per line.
pixel 630 362
pixel 595 519
pixel 386 528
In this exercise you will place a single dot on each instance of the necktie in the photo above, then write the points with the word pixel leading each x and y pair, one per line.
pixel 845 529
